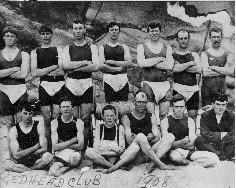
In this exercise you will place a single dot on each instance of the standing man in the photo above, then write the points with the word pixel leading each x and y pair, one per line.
pixel 14 67
pixel 155 58
pixel 109 139
pixel 187 66
pixel 80 60
pixel 216 64
pixel 183 128
pixel 114 60
pixel 67 140
pixel 141 133
pixel 217 129
pixel 46 63
pixel 28 144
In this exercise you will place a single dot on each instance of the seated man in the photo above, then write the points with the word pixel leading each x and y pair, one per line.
pixel 67 140
pixel 109 139
pixel 28 144
pixel 141 130
pixel 183 128
pixel 217 129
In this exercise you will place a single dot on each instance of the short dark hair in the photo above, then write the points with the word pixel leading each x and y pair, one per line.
pixel 182 30
pixel 217 30
pixel 108 107
pixel 153 24
pixel 27 106
pixel 65 98
pixel 178 97
pixel 219 97
pixel 140 91
pixel 10 29
pixel 112 24
pixel 79 21
pixel 45 28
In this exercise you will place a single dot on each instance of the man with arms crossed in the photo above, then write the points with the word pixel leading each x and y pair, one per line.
pixel 155 58
pixel 114 61
pixel 216 64
pixel 80 60
pixel 28 144
pixel 141 131
pixel 67 140
pixel 183 128
pixel 187 66
pixel 46 63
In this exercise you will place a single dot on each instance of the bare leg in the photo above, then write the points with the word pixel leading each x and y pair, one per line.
pixel 56 111
pixel 193 114
pixel 58 169
pixel 76 111
pixel 42 162
pixel 96 157
pixel 164 109
pixel 177 157
pixel 204 158
pixel 161 148
pixel 46 110
pixel 12 166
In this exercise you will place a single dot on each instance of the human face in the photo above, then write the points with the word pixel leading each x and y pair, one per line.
pixel 78 31
pixel 26 116
pixel 183 39
pixel 179 108
pixel 109 117
pixel 154 34
pixel 140 102
pixel 216 39
pixel 114 32
pixel 66 108
pixel 46 37
pixel 220 107
pixel 10 39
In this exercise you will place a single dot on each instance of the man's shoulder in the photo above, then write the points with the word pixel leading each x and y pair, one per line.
pixel 230 114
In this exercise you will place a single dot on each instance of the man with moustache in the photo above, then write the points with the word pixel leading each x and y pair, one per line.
pixel 216 63
pixel 187 66
pixel 183 128
pixel 80 60
pixel 114 60
pixel 14 67
pixel 155 59
pixel 67 139
pixel 217 129
pixel 28 144
pixel 46 63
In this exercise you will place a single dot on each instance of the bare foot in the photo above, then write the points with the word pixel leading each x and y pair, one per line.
pixel 150 168
pixel 165 167
pixel 126 168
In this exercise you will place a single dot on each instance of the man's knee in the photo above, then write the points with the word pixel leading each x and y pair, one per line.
pixel 8 165
pixel 90 153
pixel 169 138
pixel 47 158
pixel 140 137
pixel 213 157
pixel 75 159
pixel 175 156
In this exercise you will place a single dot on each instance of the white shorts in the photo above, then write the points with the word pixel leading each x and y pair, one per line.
pixel 66 154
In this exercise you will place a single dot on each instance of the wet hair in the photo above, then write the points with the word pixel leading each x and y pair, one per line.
pixel 144 94
pixel 112 24
pixel 64 99
pixel 217 30
pixel 10 29
pixel 153 25
pixel 178 97
pixel 108 107
pixel 27 106
pixel 219 97
pixel 45 28
pixel 182 30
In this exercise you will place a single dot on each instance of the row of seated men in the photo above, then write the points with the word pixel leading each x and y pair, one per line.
pixel 69 71
pixel 136 140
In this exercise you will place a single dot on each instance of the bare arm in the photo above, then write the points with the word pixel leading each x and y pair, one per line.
pixel 168 62
pixel 24 70
pixel 15 148
pixel 155 130
pixel 42 139
pixel 6 72
pixel 97 137
pixel 198 67
pixel 205 67
pixel 150 62
pixel 128 134
pixel 181 67
pixel 34 66
pixel 191 134
pixel 80 136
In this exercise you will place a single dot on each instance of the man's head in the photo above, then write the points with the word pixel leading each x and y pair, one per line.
pixel 66 106
pixel 219 102
pixel 183 38
pixel 179 103
pixel 45 33
pixel 114 30
pixel 140 101
pixel 216 36
pixel 154 30
pixel 27 112
pixel 10 35
pixel 109 115
pixel 79 29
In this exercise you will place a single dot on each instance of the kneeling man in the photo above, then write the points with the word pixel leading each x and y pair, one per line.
pixel 67 140
pixel 183 128
pixel 28 144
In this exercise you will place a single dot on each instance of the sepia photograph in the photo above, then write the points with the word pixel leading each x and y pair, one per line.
pixel 117 94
